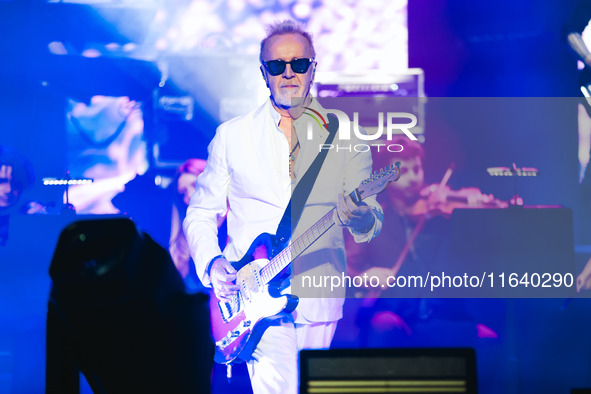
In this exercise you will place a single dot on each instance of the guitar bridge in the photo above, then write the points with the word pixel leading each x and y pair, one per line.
pixel 229 310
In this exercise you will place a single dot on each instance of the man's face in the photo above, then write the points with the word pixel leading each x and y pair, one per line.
pixel 7 192
pixel 412 179
pixel 289 84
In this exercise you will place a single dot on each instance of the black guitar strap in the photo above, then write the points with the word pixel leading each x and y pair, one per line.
pixel 294 209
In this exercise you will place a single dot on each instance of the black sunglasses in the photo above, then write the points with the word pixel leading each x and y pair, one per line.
pixel 277 67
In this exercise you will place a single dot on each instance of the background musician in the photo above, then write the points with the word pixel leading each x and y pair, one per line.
pixel 183 189
pixel 254 162
pixel 414 241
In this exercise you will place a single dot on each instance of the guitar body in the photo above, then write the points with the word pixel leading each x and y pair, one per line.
pixel 237 326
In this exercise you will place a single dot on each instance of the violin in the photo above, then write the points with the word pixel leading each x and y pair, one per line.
pixel 441 200
pixel 438 199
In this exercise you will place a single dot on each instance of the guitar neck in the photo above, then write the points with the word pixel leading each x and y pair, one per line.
pixel 297 247
pixel 371 186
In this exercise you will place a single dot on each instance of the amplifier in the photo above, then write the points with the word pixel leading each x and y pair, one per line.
pixel 370 94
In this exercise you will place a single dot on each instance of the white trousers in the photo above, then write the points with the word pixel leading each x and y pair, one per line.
pixel 274 364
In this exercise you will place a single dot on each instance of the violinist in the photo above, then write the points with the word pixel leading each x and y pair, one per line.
pixel 414 241
pixel 402 202
pixel 415 213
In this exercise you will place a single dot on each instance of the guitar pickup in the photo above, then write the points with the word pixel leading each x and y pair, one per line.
pixel 235 334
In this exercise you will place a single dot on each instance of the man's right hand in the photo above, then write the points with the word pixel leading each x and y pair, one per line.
pixel 222 276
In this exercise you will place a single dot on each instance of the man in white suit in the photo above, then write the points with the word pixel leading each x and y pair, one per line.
pixel 254 162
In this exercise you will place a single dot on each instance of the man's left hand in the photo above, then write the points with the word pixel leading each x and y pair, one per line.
pixel 357 217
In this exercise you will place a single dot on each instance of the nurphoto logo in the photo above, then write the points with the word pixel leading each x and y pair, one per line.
pixel 409 121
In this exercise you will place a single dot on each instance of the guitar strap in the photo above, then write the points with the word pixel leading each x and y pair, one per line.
pixel 294 209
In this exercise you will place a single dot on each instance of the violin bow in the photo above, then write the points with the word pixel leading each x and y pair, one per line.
pixel 415 232
pixel 421 223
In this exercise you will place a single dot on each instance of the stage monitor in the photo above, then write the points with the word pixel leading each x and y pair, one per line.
pixel 416 370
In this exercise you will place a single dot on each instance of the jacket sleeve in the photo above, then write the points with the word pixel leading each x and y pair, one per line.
pixel 357 169
pixel 207 205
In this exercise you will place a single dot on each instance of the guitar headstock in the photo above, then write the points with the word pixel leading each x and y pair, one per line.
pixel 378 181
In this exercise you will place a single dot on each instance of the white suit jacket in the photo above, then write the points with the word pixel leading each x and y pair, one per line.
pixel 248 164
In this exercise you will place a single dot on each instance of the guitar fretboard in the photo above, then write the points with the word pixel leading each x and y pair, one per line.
pixel 297 247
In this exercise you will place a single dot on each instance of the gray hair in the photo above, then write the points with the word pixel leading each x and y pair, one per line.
pixel 286 27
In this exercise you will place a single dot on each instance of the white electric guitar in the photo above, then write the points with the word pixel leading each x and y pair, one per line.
pixel 238 325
